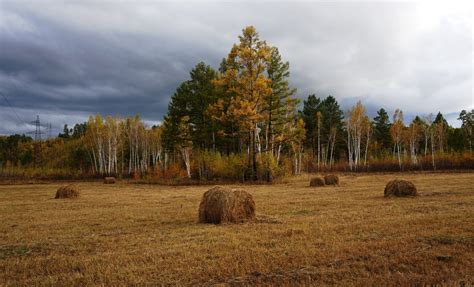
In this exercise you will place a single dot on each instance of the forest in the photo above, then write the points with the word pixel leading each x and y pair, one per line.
pixel 244 122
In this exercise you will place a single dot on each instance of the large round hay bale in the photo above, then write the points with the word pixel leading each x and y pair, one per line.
pixel 220 205
pixel 400 188
pixel 68 191
pixel 331 179
pixel 317 181
pixel 109 180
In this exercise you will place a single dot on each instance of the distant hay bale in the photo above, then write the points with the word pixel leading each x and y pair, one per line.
pixel 220 205
pixel 317 181
pixel 331 179
pixel 109 180
pixel 400 188
pixel 68 191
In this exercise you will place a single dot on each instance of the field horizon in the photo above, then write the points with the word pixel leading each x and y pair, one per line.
pixel 350 234
pixel 217 143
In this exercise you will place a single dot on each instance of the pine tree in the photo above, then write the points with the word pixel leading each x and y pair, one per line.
pixel 279 108
pixel 331 126
pixel 201 94
pixel 382 130
pixel 279 104
pixel 310 107
pixel 192 99
pixel 441 128
pixel 467 119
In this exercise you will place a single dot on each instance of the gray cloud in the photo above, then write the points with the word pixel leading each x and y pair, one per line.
pixel 67 60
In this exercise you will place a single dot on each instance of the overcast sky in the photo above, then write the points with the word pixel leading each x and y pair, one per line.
pixel 65 60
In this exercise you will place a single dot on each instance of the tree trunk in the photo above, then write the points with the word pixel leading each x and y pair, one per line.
pixel 254 157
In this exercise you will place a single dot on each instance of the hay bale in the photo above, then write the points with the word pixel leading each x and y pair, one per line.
pixel 109 180
pixel 68 191
pixel 400 188
pixel 317 181
pixel 331 179
pixel 220 204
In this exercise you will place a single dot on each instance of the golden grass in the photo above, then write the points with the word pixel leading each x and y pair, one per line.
pixel 346 235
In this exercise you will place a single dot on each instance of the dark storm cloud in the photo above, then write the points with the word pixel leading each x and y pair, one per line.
pixel 67 60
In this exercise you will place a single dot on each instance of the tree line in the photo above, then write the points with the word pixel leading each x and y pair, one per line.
pixel 242 122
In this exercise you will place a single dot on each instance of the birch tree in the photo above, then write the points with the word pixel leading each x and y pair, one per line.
pixel 396 131
pixel 184 142
pixel 413 135
pixel 296 135
pixel 430 130
pixel 356 125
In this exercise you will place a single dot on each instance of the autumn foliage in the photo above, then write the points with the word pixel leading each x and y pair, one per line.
pixel 241 123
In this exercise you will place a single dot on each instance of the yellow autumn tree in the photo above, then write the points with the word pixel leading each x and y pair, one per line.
pixel 396 131
pixel 358 128
pixel 247 85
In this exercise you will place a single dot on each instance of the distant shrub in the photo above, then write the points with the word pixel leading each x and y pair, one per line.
pixel 173 171
pixel 212 165
pixel 269 169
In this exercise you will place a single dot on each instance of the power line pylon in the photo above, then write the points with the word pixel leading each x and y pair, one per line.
pixel 37 143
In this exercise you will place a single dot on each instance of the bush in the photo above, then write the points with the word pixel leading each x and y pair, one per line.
pixel 268 168
pixel 173 171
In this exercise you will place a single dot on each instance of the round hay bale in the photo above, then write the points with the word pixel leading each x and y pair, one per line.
pixel 400 188
pixel 109 180
pixel 317 181
pixel 331 179
pixel 68 191
pixel 220 205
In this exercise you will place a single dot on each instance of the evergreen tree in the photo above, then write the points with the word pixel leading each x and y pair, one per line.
pixel 382 130
pixel 441 128
pixel 202 94
pixel 330 120
pixel 192 99
pixel 310 108
pixel 280 105
pixel 177 108
pixel 467 119
pixel 79 130
pixel 66 133
pixel 440 119
pixel 331 129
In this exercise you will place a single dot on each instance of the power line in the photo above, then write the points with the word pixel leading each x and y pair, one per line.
pixel 13 109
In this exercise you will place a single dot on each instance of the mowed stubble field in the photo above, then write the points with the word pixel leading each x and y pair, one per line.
pixel 346 235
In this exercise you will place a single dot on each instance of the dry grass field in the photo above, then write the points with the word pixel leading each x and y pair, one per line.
pixel 148 234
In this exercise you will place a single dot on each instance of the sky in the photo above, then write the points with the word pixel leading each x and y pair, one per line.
pixel 66 60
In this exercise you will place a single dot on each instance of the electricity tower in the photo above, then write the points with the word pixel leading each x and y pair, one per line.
pixel 37 142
